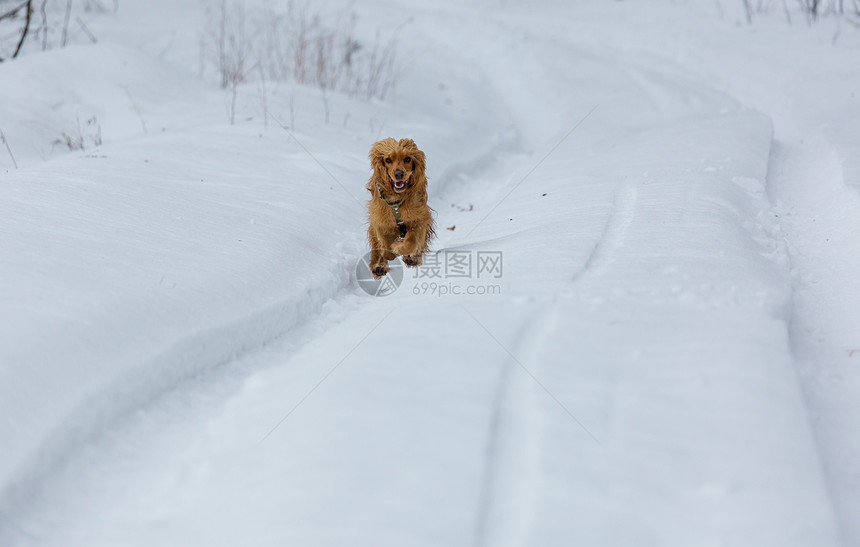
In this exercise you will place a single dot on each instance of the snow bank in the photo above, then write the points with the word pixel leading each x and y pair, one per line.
pixel 112 255
pixel 178 296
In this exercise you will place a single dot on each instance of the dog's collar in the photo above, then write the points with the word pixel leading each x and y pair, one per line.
pixel 394 206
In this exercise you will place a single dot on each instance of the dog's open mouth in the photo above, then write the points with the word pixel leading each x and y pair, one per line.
pixel 399 185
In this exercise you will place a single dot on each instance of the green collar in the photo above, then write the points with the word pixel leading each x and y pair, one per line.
pixel 394 206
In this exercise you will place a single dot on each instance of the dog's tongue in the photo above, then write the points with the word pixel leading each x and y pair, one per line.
pixel 398 184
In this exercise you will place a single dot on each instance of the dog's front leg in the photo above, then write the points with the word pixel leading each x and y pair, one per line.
pixel 380 252
pixel 411 248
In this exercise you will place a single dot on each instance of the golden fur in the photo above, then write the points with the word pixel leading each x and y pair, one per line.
pixel 398 169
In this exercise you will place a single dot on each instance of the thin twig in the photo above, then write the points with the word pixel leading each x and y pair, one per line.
pixel 43 11
pixel 86 30
pixel 14 11
pixel 11 155
pixel 26 28
pixel 136 109
pixel 787 12
pixel 65 39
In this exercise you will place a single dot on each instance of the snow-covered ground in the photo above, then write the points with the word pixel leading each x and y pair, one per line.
pixel 642 328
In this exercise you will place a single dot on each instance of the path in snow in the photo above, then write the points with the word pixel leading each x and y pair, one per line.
pixel 631 385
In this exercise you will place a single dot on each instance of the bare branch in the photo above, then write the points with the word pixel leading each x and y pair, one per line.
pixel 86 29
pixel 44 27
pixel 14 11
pixel 11 155
pixel 24 32
pixel 65 39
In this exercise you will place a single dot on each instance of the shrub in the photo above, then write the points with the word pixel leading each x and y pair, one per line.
pixel 296 45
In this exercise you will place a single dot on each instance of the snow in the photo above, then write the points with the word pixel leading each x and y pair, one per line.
pixel 667 356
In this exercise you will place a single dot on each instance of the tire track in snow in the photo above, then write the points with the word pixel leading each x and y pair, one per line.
pixel 508 491
pixel 618 221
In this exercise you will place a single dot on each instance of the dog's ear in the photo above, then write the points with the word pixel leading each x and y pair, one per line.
pixel 377 158
pixel 418 165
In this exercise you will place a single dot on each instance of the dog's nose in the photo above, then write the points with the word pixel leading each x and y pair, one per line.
pixel 398 174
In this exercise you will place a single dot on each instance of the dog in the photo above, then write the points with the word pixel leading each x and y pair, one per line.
pixel 401 222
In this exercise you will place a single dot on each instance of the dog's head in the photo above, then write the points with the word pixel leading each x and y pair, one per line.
pixel 397 165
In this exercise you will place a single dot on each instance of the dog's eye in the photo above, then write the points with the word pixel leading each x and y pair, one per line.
pixel 387 160
pixel 407 160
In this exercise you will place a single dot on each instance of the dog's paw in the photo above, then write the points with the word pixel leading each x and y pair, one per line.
pixel 412 260
pixel 379 270
pixel 399 248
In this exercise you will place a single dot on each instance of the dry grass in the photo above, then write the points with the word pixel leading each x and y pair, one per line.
pixel 810 9
pixel 82 137
pixel 295 45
